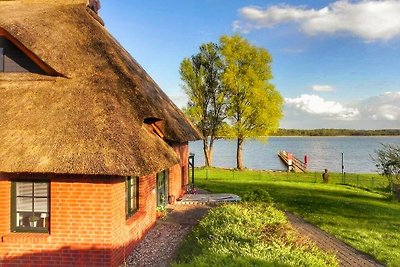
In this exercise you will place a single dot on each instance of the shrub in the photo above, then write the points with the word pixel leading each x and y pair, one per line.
pixel 387 161
pixel 248 234
pixel 258 195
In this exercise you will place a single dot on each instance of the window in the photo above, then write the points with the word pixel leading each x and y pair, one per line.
pixel 14 58
pixel 131 195
pixel 30 203
pixel 1 59
pixel 162 188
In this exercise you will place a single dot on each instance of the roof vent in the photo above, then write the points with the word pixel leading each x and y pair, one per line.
pixel 94 5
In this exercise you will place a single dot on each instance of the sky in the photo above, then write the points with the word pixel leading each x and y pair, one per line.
pixel 335 63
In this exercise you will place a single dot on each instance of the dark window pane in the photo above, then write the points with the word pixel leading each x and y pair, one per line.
pixel 14 60
pixel 1 59
pixel 23 219
pixel 131 199
pixel 126 197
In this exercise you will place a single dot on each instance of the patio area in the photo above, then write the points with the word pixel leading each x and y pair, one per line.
pixel 206 198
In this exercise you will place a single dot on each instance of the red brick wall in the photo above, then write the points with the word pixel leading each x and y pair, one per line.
pixel 176 187
pixel 126 233
pixel 88 226
pixel 5 191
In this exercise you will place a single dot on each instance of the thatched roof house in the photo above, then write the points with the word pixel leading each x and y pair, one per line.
pixel 87 116
pixel 89 144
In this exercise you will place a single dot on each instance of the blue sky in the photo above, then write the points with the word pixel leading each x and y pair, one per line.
pixel 336 63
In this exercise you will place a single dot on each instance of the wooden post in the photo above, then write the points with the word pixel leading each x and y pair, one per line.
pixel 342 170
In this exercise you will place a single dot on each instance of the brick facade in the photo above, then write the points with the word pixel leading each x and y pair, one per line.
pixel 178 174
pixel 88 226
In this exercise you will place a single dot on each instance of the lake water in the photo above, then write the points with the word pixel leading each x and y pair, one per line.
pixel 322 152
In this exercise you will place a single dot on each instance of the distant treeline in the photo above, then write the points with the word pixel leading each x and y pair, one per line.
pixel 336 132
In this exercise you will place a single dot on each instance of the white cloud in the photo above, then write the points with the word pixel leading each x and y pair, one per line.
pixel 370 20
pixel 376 112
pixel 382 107
pixel 322 88
pixel 313 104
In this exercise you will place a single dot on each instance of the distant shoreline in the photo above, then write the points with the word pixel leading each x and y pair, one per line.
pixel 330 133
pixel 302 136
pixel 336 132
pixel 332 136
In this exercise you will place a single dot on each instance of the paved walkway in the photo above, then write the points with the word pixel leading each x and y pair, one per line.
pixel 161 243
pixel 347 256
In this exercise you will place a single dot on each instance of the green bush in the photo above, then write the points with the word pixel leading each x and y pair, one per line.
pixel 248 234
pixel 258 195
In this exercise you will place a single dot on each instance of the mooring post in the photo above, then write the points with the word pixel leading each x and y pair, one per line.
pixel 342 169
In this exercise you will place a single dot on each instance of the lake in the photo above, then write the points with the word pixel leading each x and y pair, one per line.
pixel 322 152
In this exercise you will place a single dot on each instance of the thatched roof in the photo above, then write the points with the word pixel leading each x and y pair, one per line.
pixel 91 120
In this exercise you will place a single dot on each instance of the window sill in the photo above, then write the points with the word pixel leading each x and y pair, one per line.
pixel 135 217
pixel 25 237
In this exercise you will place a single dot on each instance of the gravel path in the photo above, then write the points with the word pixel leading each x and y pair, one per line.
pixel 347 256
pixel 159 246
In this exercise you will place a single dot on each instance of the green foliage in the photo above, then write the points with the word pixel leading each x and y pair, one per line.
pixel 248 234
pixel 161 208
pixel 207 101
pixel 230 93
pixel 257 195
pixel 33 218
pixel 254 106
pixel 387 161
pixel 366 220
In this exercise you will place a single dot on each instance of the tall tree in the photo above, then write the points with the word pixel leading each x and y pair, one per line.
pixel 254 106
pixel 207 102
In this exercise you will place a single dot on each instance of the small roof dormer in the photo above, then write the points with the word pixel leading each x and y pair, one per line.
pixel 15 57
pixel 156 126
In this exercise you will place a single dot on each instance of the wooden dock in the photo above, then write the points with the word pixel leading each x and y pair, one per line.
pixel 296 164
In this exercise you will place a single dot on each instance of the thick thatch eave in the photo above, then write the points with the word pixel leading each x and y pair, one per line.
pixel 92 121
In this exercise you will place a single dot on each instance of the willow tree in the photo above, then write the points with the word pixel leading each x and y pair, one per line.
pixel 206 107
pixel 254 106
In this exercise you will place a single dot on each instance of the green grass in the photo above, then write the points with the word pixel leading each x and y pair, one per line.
pixel 371 182
pixel 248 234
pixel 367 220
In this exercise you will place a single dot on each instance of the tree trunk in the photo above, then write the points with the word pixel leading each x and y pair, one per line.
pixel 396 189
pixel 239 157
pixel 210 151
pixel 206 150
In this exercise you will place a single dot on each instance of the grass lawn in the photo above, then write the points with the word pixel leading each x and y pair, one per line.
pixel 248 234
pixel 366 220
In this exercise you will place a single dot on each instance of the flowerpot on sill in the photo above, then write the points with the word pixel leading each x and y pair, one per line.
pixel 33 224
pixel 160 214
